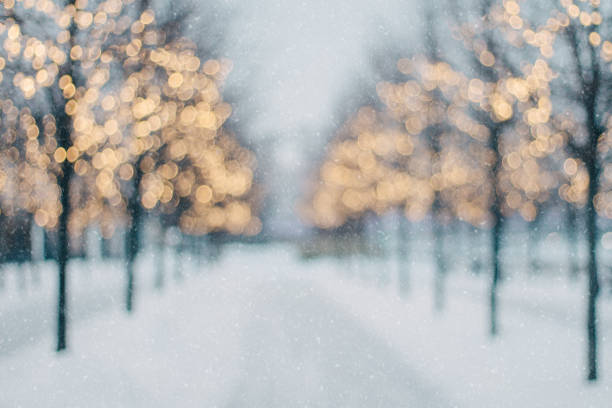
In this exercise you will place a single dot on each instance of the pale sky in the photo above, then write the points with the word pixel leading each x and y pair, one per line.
pixel 298 55
pixel 296 58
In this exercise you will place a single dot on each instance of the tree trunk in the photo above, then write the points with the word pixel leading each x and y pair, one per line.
pixel 496 235
pixel 64 140
pixel 64 126
pixel 132 247
pixel 131 260
pixel 133 237
pixel 593 284
pixel 63 249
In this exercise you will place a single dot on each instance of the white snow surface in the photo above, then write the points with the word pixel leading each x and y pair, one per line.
pixel 263 328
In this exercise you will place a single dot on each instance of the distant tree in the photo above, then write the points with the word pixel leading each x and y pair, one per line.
pixel 356 176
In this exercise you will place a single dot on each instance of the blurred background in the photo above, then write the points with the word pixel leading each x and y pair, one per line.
pixel 222 203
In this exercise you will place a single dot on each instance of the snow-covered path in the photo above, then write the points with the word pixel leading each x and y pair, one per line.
pixel 263 328
pixel 300 350
pixel 237 336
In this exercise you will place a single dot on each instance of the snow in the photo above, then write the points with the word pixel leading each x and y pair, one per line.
pixel 263 328
pixel 537 361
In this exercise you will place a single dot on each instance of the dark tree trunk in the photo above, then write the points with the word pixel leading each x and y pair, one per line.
pixel 132 243
pixel 133 237
pixel 131 260
pixel 496 233
pixel 593 282
pixel 64 140
pixel 63 237
pixel 592 162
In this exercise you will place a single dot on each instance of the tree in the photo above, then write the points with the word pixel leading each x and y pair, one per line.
pixel 574 39
pixel 63 59
pixel 23 62
pixel 421 104
pixel 571 38
pixel 356 176
pixel 165 139
pixel 583 64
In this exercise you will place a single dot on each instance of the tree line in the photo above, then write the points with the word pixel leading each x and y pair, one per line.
pixel 503 111
pixel 109 113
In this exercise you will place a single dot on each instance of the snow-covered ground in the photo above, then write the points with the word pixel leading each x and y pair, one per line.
pixel 263 328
